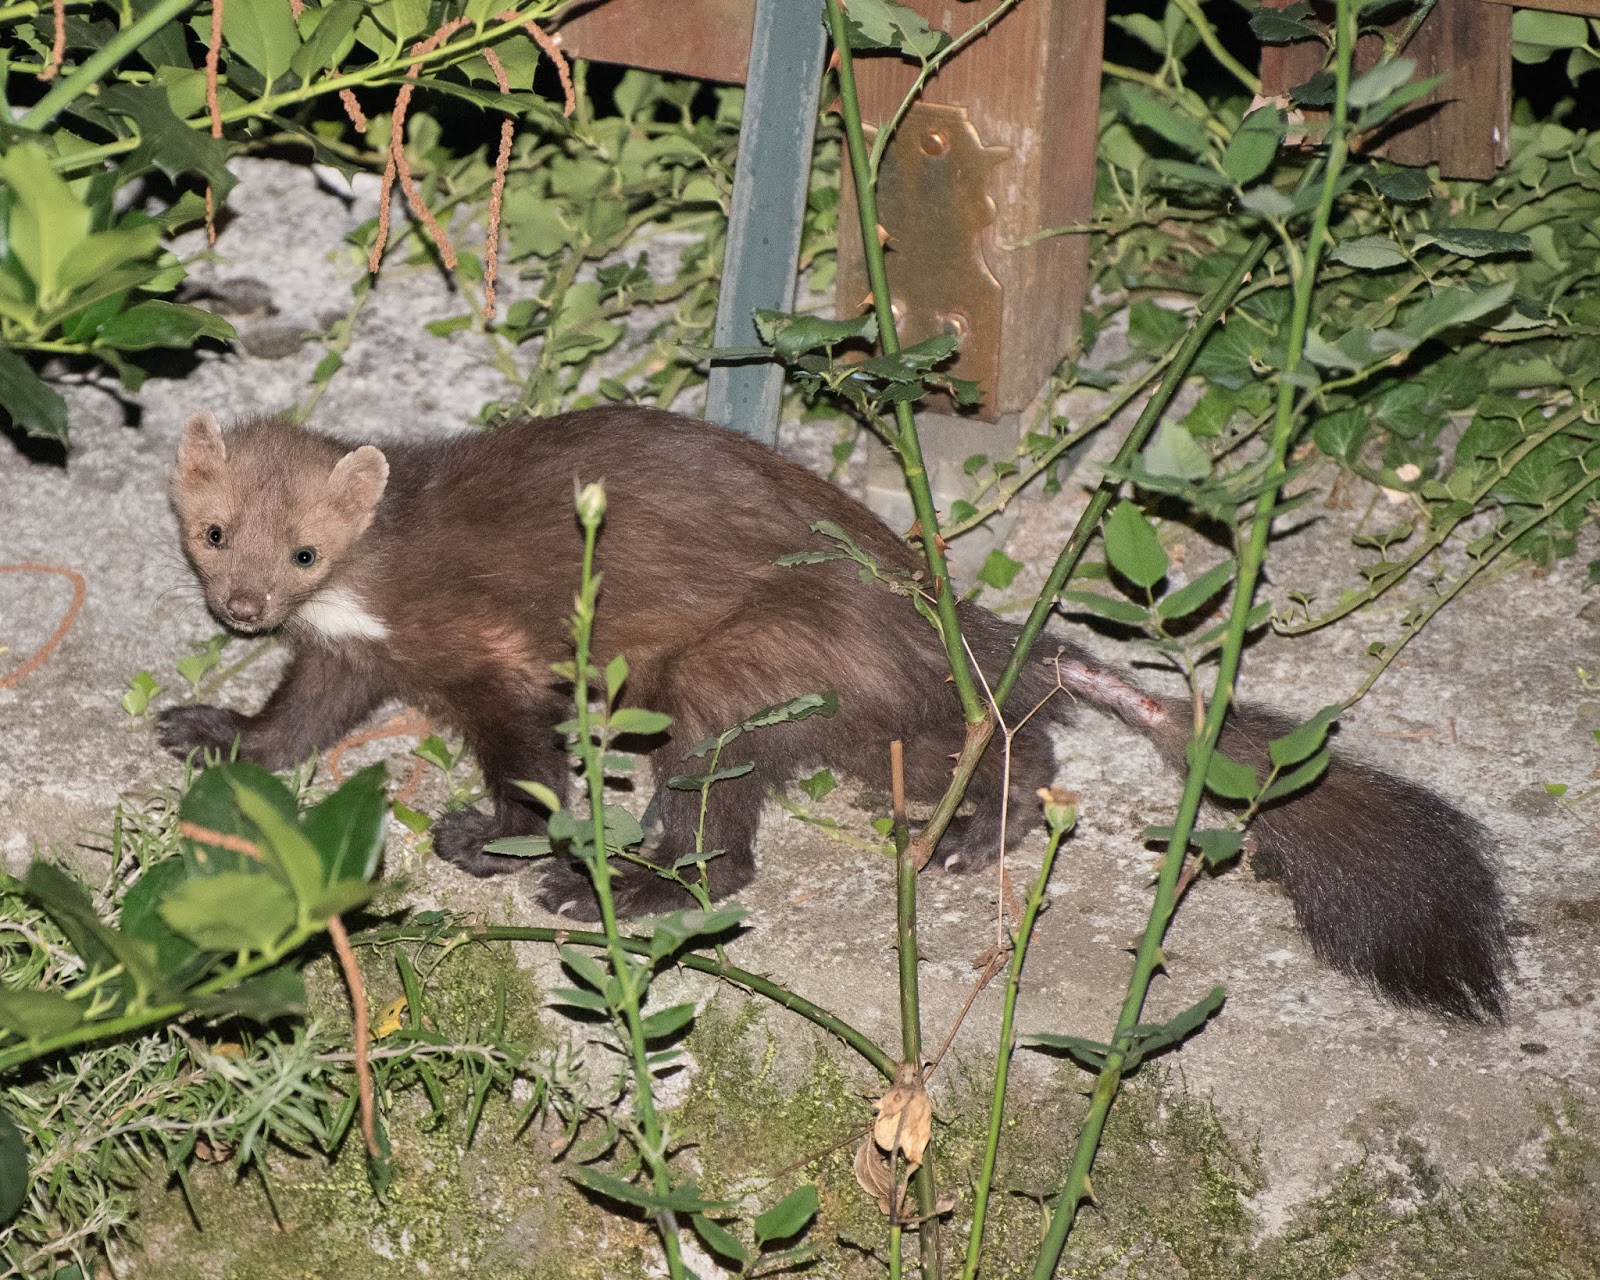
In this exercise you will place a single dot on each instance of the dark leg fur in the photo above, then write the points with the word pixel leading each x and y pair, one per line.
pixel 324 694
pixel 512 734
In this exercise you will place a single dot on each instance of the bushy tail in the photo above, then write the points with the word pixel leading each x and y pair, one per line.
pixel 1391 883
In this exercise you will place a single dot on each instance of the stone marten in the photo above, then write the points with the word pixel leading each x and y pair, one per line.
pixel 442 573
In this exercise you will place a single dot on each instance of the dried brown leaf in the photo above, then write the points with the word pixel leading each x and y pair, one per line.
pixel 905 1115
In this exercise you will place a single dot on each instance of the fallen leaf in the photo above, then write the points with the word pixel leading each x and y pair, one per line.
pixel 391 1019
pixel 875 1177
pixel 905 1116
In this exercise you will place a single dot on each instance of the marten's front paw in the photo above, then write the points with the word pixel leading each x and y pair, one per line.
pixel 198 728
pixel 459 838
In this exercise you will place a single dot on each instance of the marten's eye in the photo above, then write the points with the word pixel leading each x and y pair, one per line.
pixel 305 557
pixel 214 535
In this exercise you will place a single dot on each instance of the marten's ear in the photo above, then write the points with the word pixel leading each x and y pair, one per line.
pixel 358 480
pixel 201 452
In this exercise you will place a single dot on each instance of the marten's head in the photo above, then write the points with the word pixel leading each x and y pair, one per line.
pixel 267 509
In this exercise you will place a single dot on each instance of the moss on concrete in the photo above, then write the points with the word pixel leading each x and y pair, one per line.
pixel 766 1111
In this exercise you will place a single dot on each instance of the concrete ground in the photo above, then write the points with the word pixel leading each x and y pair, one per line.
pixel 1487 707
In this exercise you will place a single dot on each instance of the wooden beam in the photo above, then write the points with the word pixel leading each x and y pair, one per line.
pixel 1463 126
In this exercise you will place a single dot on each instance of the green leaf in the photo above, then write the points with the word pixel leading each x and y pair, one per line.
pixel 204 658
pixel 1174 452
pixel 791 336
pixel 999 570
pixel 1189 597
pixel 587 969
pixel 1152 1038
pixel 670 933
pixel 1133 547
pixel 1450 307
pixel 99 944
pixel 232 911
pixel 882 24
pixel 263 33
pixel 1341 435
pixel 141 919
pixel 1303 776
pixel 543 794
pixel 436 752
pixel 637 720
pixel 1377 83
pixel 720 1241
pixel 283 845
pixel 789 1217
pixel 616 675
pixel 1254 145
pixel 38 1015
pixel 1541 34
pixel 685 1198
pixel 1368 253
pixel 104 251
pixel 34 407
pixel 1227 777
pixel 277 993
pixel 13 1170
pixel 1405 185
pixel 348 828
pixel 158 323
pixel 667 1022
pixel 47 222
pixel 696 781
pixel 1109 607
pixel 209 804
pixel 1150 112
pixel 1268 202
pixel 1472 242
pixel 819 784
pixel 143 687
pixel 1087 1053
pixel 1302 740
pixel 331 42
pixel 1216 844
pixel 1282 26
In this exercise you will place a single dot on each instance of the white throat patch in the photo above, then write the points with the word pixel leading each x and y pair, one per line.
pixel 339 615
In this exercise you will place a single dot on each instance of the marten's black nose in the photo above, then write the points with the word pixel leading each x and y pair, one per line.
pixel 244 608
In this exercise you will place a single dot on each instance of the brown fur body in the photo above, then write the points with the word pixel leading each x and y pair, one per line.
pixel 443 574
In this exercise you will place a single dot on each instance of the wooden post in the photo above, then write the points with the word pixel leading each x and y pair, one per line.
pixel 1029 90
pixel 1463 126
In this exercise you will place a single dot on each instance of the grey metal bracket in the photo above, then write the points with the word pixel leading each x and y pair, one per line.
pixel 769 204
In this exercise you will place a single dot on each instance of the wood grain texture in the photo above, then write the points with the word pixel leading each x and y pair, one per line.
pixel 1031 85
pixel 1464 125
pixel 707 39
